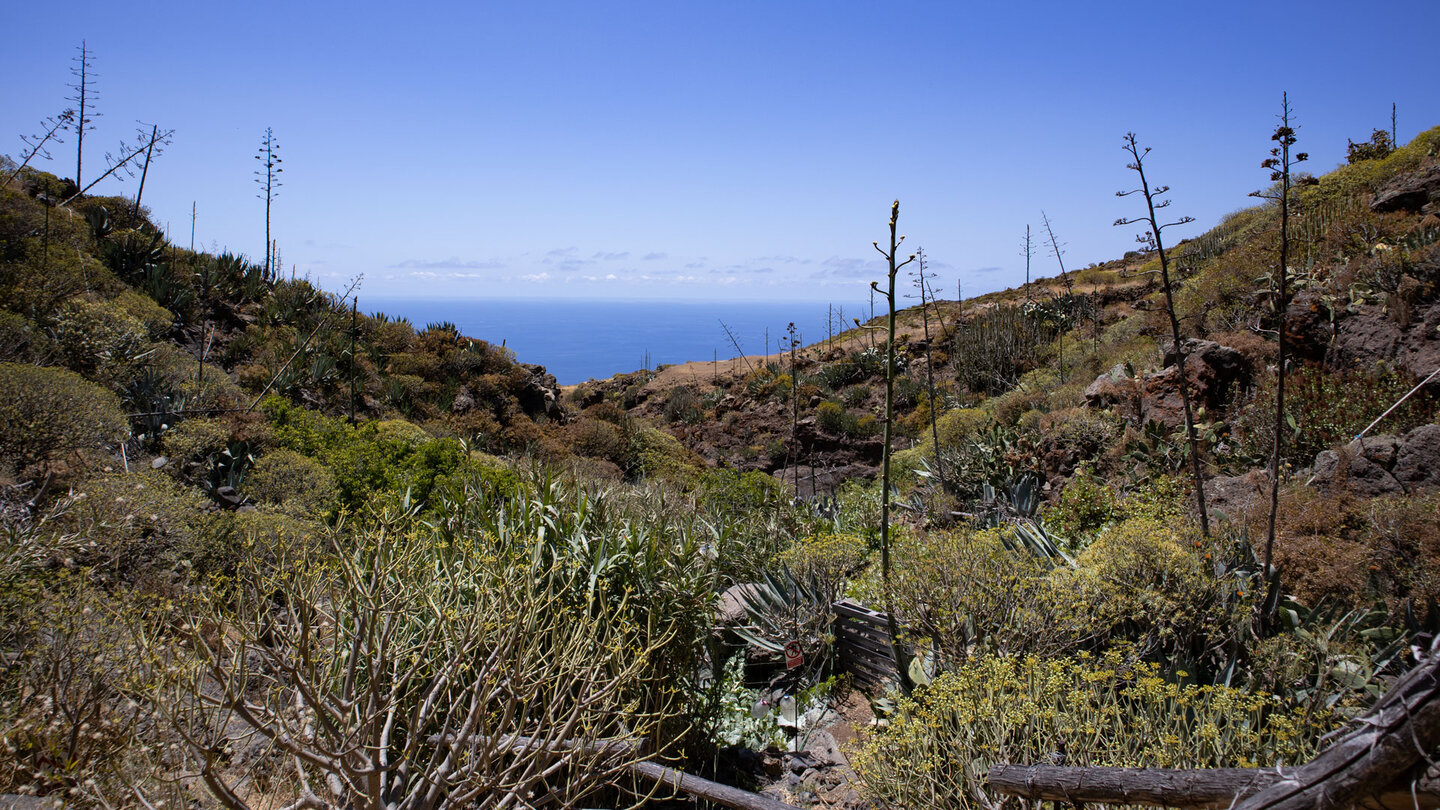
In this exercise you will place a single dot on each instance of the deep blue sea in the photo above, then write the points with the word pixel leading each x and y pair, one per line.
pixel 577 340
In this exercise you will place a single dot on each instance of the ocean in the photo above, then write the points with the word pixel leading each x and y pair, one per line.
pixel 577 340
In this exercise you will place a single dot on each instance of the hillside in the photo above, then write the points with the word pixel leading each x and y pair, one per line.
pixel 262 549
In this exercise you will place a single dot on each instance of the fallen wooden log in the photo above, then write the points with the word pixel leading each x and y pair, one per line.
pixel 724 795
pixel 1395 737
pixel 1172 787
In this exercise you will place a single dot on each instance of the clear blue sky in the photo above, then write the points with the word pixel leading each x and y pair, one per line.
pixel 706 150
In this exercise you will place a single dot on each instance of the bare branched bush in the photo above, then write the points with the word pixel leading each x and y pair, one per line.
pixel 402 673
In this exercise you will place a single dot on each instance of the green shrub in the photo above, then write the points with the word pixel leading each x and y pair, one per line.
pixel 148 530
pixel 857 509
pixel 964 591
pixel 1086 505
pixel 49 412
pixel 157 320
pixel 683 406
pixel 375 461
pixel 958 425
pixel 752 520
pixel 656 454
pixel 196 439
pixel 294 484
pixel 1081 432
pixel 101 339
pixel 828 559
pixel 855 396
pixel 276 536
pixel 400 432
pixel 21 341
pixel 1110 711
pixel 999 345
pixel 1159 584
pixel 830 417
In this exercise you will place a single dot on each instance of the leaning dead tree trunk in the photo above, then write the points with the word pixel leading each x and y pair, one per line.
pixel 1381 761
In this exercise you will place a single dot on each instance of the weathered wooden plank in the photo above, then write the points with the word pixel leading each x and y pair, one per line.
pixel 857 629
pixel 869 652
pixel 853 611
pixel 1403 729
pixel 878 663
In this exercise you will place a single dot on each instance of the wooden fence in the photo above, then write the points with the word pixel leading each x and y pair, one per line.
pixel 862 643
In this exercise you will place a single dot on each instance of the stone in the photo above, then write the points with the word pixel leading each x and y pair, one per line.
pixel 227 497
pixel 1212 372
pixel 1366 337
pixel 1380 450
pixel 731 609
pixel 1417 459
pixel 1117 390
pixel 1354 469
pixel 1411 191
pixel 540 394
pixel 772 766
pixel 1238 496
pixel 158 462
pixel 464 401
pixel 822 748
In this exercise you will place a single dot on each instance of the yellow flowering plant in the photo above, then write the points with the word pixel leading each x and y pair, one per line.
pixel 1110 710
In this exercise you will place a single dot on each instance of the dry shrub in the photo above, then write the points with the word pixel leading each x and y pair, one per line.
pixel 597 438
pixel 1316 547
pixel 1355 551
pixel 501 672
pixel 68 724
pixel 1402 537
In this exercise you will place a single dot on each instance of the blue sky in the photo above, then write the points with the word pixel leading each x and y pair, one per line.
pixel 706 150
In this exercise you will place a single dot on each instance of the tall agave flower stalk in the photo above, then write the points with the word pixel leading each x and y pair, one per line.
pixel 902 662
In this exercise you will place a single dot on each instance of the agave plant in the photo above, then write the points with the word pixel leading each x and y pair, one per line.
pixel 1031 537
pixel 783 608
pixel 154 404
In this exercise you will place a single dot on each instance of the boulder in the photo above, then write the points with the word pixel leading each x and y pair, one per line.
pixel 1115 390
pixel 228 498
pixel 464 401
pixel 540 395
pixel 817 482
pixel 1411 191
pixel 1365 337
pixel 1417 459
pixel 1212 372
pixel 1237 497
pixel 1383 465
pixel 1362 469
pixel 731 609
pixel 1309 328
